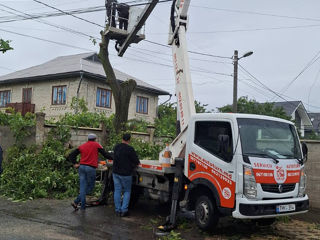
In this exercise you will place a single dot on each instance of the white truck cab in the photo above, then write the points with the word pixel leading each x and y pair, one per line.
pixel 251 165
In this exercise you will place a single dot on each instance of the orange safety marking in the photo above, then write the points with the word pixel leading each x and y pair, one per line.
pixel 220 179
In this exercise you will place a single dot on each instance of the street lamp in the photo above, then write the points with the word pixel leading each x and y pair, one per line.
pixel 235 77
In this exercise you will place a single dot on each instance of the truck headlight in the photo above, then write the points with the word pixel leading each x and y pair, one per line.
pixel 302 183
pixel 249 183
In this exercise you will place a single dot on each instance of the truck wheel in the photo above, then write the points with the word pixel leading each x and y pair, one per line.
pixel 206 212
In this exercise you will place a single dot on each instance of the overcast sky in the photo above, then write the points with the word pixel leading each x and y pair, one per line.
pixel 283 34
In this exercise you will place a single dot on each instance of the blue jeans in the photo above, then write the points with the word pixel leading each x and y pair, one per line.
pixel 87 176
pixel 122 184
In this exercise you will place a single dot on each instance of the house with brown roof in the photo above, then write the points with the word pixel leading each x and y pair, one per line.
pixel 50 87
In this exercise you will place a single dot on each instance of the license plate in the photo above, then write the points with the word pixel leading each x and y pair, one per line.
pixel 285 208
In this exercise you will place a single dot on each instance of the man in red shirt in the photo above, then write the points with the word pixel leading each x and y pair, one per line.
pixel 89 152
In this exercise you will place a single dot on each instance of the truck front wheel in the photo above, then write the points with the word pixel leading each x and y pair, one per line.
pixel 206 213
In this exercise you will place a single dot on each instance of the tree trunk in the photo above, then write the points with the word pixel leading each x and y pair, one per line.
pixel 121 91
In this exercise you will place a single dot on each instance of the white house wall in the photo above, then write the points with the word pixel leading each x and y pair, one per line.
pixel 42 97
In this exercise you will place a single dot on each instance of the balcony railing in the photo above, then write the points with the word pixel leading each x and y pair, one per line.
pixel 22 107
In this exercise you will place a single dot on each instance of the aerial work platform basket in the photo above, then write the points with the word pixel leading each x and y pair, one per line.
pixel 119 24
pixel 125 24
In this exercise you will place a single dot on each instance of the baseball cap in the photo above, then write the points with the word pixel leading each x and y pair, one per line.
pixel 92 136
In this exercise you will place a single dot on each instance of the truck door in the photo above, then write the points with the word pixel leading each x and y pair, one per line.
pixel 210 158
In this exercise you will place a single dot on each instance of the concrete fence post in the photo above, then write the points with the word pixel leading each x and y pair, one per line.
pixel 150 130
pixel 40 131
pixel 104 133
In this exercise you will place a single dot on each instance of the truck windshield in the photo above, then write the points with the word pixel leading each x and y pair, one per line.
pixel 268 139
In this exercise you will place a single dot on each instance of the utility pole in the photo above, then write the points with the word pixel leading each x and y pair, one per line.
pixel 235 78
pixel 235 81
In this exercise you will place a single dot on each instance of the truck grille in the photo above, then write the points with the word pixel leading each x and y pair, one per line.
pixel 278 188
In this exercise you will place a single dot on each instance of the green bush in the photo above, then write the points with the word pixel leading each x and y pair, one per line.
pixel 43 172
pixel 36 173
pixel 19 125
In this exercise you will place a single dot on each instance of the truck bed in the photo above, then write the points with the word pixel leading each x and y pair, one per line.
pixel 150 166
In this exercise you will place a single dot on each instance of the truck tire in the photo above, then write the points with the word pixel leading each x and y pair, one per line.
pixel 206 213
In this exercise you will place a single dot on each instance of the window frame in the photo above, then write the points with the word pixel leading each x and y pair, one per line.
pixel 211 151
pixel 52 95
pixel 27 92
pixel 8 97
pixel 138 105
pixel 106 97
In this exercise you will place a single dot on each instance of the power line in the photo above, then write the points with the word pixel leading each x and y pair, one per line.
pixel 280 95
pixel 246 30
pixel 47 5
pixel 312 86
pixel 257 13
pixel 193 52
pixel 266 87
pixel 5 19
pixel 46 22
pixel 46 40
pixel 309 64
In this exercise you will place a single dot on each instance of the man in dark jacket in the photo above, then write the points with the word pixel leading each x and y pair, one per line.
pixel 124 162
pixel 87 167
pixel 123 13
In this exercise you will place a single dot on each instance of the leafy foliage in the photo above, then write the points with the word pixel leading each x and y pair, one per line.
pixel 37 173
pixel 19 125
pixel 167 117
pixel 79 104
pixel 137 125
pixel 172 236
pixel 146 150
pixel 252 107
pixel 5 45
pixel 201 108
pixel 166 122
pixel 311 136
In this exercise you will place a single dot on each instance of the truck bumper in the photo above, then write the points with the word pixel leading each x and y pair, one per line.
pixel 268 208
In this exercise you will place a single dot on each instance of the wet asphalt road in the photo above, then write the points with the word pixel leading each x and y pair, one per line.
pixel 53 219
pixel 56 220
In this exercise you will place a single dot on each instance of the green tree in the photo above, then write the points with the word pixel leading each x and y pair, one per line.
pixel 5 45
pixel 121 91
pixel 251 106
pixel 167 118
pixel 166 122
pixel 201 108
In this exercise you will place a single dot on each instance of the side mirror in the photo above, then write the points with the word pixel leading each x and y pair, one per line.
pixel 224 147
pixel 304 151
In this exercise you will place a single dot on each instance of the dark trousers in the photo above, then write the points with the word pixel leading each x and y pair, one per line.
pixel 123 24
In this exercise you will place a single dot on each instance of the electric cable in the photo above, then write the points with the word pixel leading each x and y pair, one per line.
pixel 309 64
pixel 256 13
pixel 80 18
pixel 46 40
pixel 47 23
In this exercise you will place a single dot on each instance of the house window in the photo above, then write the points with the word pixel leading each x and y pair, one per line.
pixel 4 98
pixel 103 98
pixel 59 95
pixel 142 105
